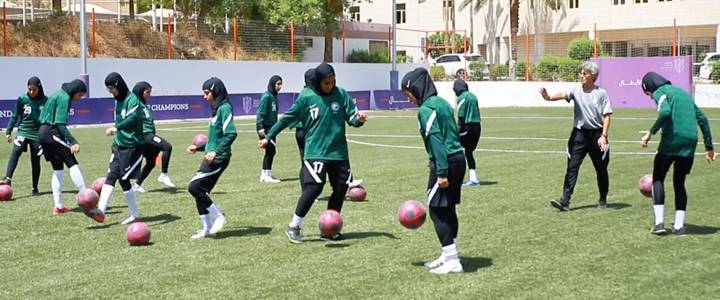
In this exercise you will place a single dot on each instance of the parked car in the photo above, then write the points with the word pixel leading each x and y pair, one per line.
pixel 706 67
pixel 457 64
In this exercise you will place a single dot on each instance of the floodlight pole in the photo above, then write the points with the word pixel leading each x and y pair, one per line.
pixel 394 76
pixel 83 48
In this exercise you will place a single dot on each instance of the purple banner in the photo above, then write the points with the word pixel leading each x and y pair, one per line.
pixel 622 77
pixel 386 99
pixel 362 99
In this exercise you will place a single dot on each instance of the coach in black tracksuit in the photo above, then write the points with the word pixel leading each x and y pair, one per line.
pixel 589 134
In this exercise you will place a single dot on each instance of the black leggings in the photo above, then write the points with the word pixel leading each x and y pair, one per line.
pixel 152 148
pixel 446 223
pixel 269 153
pixel 469 137
pixel 20 147
pixel 682 168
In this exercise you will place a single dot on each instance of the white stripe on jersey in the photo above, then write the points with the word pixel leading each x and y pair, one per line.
pixel 430 122
pixel 461 103
pixel 227 122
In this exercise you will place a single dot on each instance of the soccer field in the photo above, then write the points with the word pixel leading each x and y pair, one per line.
pixel 513 244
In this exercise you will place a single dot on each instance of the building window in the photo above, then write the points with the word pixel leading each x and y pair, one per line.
pixel 618 2
pixel 664 0
pixel 447 3
pixel 574 3
pixel 448 13
pixel 378 46
pixel 641 1
pixel 400 13
pixel 354 13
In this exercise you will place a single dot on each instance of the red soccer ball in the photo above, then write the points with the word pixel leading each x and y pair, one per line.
pixel 645 185
pixel 411 214
pixel 138 234
pixel 330 223
pixel 6 192
pixel 200 140
pixel 357 193
pixel 87 199
pixel 98 184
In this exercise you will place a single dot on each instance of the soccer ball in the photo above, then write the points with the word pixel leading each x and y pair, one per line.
pixel 357 193
pixel 138 234
pixel 645 185
pixel 200 140
pixel 6 192
pixel 98 184
pixel 330 223
pixel 411 214
pixel 87 199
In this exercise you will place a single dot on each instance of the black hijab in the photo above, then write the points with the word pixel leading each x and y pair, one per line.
pixel 114 79
pixel 459 87
pixel 321 71
pixel 309 77
pixel 419 84
pixel 653 81
pixel 36 82
pixel 217 88
pixel 271 85
pixel 74 87
pixel 140 88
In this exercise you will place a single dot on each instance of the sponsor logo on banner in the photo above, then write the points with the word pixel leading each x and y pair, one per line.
pixel 679 65
pixel 5 113
pixel 71 112
pixel 170 107
pixel 247 103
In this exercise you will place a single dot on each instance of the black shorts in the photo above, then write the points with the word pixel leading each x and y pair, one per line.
pixel 124 162
pixel 22 143
pixel 55 147
pixel 152 146
pixel 450 195
pixel 208 174
pixel 315 171
pixel 470 135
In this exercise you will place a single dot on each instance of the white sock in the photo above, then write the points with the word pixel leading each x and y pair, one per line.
pixel 77 177
pixel 457 245
pixel 659 211
pixel 105 194
pixel 132 203
pixel 296 221
pixel 450 252
pixel 263 173
pixel 164 174
pixel 57 187
pixel 679 219
pixel 473 175
pixel 205 220
pixel 215 211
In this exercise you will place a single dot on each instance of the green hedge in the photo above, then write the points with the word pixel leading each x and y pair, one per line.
pixel 437 73
pixel 476 70
pixel 555 68
pixel 715 75
pixel 363 56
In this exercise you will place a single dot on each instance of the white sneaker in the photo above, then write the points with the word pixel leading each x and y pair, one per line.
pixel 218 225
pixel 200 234
pixel 129 220
pixel 165 179
pixel 355 183
pixel 138 188
pixel 449 266
pixel 269 179
pixel 435 263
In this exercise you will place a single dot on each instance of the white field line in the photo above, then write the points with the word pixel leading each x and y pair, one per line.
pixel 541 118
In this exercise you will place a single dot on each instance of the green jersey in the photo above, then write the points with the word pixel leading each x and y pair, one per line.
pixel 439 132
pixel 267 114
pixel 221 133
pixel 28 111
pixel 678 116
pixel 128 122
pixel 323 118
pixel 468 111
pixel 56 113
pixel 298 124
pixel 148 121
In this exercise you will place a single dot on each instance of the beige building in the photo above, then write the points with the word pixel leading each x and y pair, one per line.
pixel 623 27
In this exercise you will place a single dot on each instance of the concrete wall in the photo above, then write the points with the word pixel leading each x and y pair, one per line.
pixel 507 93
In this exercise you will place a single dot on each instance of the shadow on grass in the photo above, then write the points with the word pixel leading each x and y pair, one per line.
pixel 30 196
pixel 138 246
pixel 167 190
pixel 470 264
pixel 161 219
pixel 488 183
pixel 243 231
pixel 699 229
pixel 613 205
pixel 289 179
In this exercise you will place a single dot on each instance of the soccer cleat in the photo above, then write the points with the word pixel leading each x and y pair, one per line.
pixel 435 263
pixel 138 188
pixel 35 192
pixel 337 237
pixel 58 211
pixel 200 234
pixel 293 234
pixel 559 205
pixel 269 179
pixel 682 231
pixel 602 205
pixel 96 215
pixel 450 266
pixel 355 183
pixel 6 181
pixel 130 220
pixel 472 183
pixel 218 225
pixel 658 229
pixel 165 179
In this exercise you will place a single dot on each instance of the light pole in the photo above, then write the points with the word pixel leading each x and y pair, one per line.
pixel 83 48
pixel 394 76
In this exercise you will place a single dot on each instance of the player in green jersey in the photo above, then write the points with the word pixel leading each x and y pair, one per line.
pixel 266 117
pixel 469 126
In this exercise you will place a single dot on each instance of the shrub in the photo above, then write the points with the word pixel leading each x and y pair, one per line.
pixel 554 68
pixel 477 69
pixel 363 56
pixel 404 59
pixel 437 73
pixel 520 70
pixel 498 71
pixel 715 75
pixel 582 49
